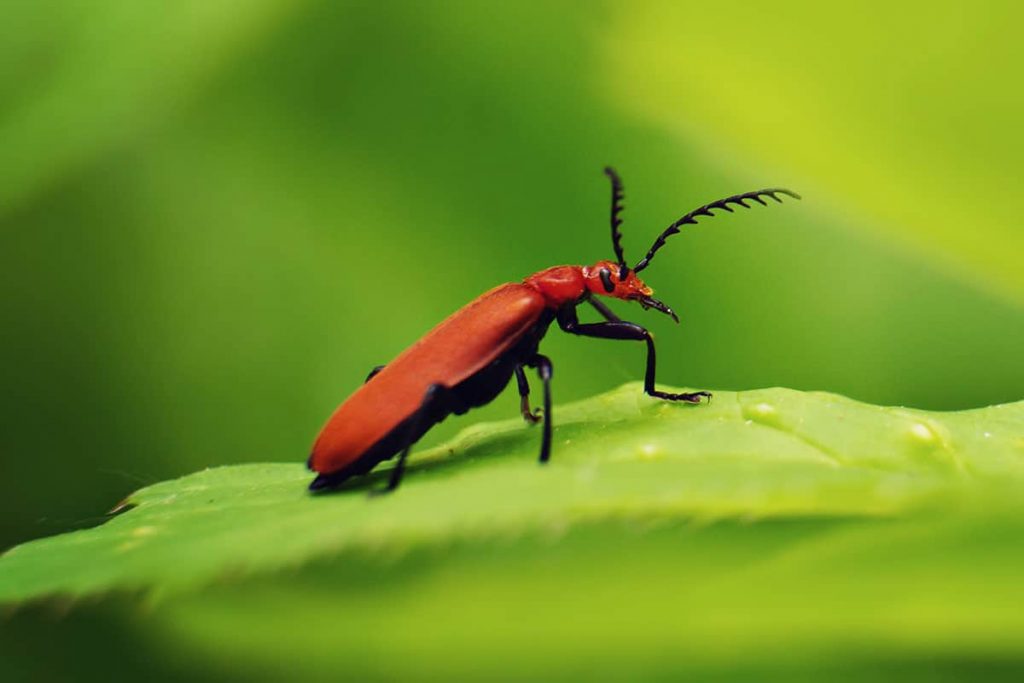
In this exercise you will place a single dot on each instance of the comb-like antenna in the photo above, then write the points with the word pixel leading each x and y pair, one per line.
pixel 706 210
pixel 617 197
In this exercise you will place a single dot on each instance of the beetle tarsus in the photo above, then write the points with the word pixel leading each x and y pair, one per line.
pixel 531 416
pixel 693 397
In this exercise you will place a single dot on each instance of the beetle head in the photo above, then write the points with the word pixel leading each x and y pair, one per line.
pixel 608 278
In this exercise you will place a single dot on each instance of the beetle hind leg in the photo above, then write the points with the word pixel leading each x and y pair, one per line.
pixel 437 398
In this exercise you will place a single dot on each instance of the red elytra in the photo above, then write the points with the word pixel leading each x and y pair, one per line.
pixel 471 356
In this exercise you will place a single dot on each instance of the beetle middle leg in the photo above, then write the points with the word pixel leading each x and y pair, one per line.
pixel 545 371
pixel 620 329
pixel 373 373
pixel 529 415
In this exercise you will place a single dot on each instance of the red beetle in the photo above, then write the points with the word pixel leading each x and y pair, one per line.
pixel 469 358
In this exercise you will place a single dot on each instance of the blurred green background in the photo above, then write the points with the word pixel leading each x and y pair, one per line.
pixel 216 217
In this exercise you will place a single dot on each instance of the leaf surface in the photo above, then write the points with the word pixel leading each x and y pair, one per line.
pixel 754 455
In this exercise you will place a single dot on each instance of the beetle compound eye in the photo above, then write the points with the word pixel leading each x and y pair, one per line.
pixel 606 280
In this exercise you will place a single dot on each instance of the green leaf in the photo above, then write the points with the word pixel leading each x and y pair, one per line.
pixel 842 599
pixel 755 455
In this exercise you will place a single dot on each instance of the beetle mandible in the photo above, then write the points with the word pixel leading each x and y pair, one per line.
pixel 469 358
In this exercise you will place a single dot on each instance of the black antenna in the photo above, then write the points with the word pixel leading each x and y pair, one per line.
pixel 706 210
pixel 617 196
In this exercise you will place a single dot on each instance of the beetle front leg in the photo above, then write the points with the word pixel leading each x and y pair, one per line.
pixel 529 415
pixel 621 329
pixel 606 313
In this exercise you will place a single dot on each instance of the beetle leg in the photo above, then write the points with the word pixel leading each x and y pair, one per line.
pixel 545 371
pixel 436 395
pixel 621 329
pixel 529 415
pixel 607 313
pixel 373 373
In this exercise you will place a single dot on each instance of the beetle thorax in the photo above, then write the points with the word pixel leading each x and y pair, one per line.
pixel 559 285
